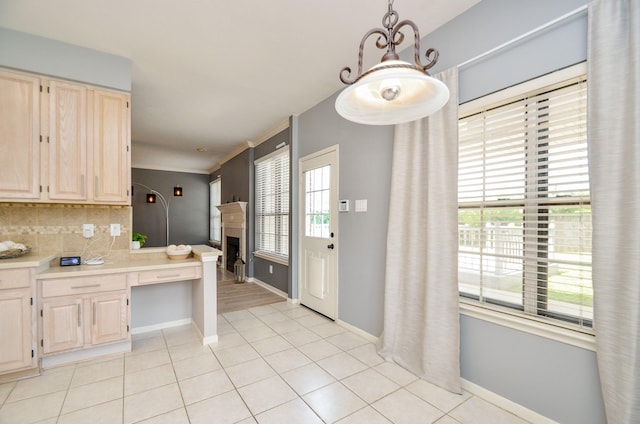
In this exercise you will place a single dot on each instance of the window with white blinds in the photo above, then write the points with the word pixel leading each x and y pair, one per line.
pixel 272 203
pixel 215 224
pixel 524 217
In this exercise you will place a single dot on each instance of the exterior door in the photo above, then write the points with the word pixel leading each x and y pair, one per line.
pixel 318 259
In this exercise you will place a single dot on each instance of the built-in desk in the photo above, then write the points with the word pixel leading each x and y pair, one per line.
pixel 91 292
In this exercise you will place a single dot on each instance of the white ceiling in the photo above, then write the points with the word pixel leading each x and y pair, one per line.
pixel 215 74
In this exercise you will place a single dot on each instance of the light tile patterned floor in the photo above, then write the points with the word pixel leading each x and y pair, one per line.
pixel 274 364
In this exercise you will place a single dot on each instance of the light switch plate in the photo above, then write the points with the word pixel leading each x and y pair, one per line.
pixel 361 205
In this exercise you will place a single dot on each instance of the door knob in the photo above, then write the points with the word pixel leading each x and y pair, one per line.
pixel 331 246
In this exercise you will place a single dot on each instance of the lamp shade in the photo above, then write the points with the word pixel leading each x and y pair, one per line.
pixel 392 92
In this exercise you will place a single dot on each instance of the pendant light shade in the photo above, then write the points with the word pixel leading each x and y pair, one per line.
pixel 177 191
pixel 393 91
pixel 151 198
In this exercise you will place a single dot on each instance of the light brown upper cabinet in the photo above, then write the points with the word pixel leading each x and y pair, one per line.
pixel 19 137
pixel 63 142
pixel 111 157
pixel 67 141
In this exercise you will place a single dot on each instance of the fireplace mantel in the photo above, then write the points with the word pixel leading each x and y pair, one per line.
pixel 233 207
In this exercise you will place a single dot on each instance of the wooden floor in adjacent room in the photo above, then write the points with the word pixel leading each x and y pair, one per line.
pixel 234 296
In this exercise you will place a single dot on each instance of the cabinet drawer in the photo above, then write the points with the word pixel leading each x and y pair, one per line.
pixel 14 278
pixel 170 274
pixel 81 285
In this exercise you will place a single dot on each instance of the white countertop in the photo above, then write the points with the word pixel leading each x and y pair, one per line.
pixel 29 260
pixel 141 260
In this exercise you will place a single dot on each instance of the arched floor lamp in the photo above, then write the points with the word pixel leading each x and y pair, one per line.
pixel 152 195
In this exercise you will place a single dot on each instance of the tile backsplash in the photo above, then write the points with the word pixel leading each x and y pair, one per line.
pixel 57 228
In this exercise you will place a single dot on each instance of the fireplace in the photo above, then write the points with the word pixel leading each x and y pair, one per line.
pixel 234 220
pixel 233 251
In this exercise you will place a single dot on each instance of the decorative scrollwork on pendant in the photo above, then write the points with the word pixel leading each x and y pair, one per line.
pixel 432 58
pixel 382 36
pixel 389 38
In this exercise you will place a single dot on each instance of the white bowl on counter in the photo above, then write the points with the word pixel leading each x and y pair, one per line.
pixel 180 251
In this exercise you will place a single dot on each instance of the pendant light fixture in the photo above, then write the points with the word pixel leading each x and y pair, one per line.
pixel 393 91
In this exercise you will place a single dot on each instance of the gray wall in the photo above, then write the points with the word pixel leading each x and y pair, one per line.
pixel 31 53
pixel 235 177
pixel 160 303
pixel 557 380
pixel 365 169
pixel 188 215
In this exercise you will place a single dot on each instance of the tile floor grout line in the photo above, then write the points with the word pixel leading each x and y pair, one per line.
pixel 300 396
pixel 66 394
pixel 175 374
pixel 342 342
pixel 235 388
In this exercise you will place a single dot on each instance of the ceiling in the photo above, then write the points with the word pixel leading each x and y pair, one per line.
pixel 218 75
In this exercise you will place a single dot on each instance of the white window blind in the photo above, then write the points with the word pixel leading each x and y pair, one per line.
pixel 272 203
pixel 524 205
pixel 215 214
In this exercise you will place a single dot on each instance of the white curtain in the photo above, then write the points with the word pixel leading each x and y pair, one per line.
pixel 614 161
pixel 421 321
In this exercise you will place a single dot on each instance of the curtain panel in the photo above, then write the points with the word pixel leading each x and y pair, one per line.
pixel 421 314
pixel 614 170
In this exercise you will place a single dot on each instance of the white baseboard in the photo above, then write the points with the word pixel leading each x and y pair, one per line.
pixel 177 323
pixel 209 340
pixel 267 286
pixel 160 326
pixel 85 354
pixel 205 340
pixel 502 402
pixel 506 404
pixel 358 331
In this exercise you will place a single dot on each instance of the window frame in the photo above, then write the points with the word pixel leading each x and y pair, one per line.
pixel 545 326
pixel 281 229
pixel 215 215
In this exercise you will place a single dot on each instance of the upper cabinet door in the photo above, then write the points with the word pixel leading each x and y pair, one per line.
pixel 67 141
pixel 111 155
pixel 19 136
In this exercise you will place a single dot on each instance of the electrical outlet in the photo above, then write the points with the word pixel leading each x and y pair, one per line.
pixel 88 230
pixel 115 230
pixel 270 269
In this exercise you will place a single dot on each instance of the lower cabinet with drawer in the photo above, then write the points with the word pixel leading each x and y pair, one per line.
pixel 83 312
pixel 17 321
